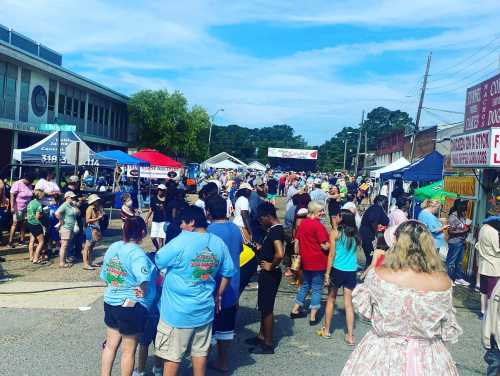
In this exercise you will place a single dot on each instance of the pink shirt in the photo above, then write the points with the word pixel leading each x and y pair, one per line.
pixel 396 217
pixel 22 193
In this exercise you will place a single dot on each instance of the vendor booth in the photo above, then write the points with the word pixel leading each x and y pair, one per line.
pixel 44 152
pixel 127 166
pixel 223 159
pixel 255 165
pixel 426 169
pixel 160 165
pixel 396 165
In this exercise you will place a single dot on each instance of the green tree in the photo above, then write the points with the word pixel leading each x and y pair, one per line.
pixel 166 123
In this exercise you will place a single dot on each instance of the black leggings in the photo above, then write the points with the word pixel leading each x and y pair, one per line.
pixel 368 250
pixel 247 271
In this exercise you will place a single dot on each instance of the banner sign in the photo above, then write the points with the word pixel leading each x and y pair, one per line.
pixel 482 105
pixel 478 149
pixel 292 153
pixel 153 172
pixel 461 185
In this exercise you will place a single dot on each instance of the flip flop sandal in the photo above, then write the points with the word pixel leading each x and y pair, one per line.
pixel 65 266
pixel 353 343
pixel 322 333
pixel 88 268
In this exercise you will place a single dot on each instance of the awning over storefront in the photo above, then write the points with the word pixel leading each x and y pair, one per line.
pixel 122 158
pixel 429 168
pixel 44 152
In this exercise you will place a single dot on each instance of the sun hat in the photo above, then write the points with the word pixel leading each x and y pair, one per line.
pixel 70 194
pixel 245 186
pixel 302 212
pixel 73 179
pixel 92 198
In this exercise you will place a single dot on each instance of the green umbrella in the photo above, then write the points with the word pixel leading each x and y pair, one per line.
pixel 433 191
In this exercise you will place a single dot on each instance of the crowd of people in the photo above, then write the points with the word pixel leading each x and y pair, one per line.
pixel 184 295
pixel 54 217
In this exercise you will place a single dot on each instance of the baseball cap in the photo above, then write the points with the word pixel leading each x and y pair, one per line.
pixel 70 194
pixel 163 187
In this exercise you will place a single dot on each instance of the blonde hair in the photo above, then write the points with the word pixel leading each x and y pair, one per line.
pixel 314 207
pixel 427 203
pixel 414 249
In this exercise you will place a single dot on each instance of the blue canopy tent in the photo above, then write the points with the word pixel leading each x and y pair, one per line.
pixel 428 168
pixel 123 158
pixel 44 152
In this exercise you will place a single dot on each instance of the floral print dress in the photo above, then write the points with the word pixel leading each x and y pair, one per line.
pixel 409 328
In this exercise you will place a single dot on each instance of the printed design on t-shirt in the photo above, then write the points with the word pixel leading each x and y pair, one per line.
pixel 204 265
pixel 115 273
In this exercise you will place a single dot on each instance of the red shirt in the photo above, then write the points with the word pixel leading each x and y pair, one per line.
pixel 311 234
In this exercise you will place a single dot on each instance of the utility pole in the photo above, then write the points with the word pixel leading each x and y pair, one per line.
pixel 345 151
pixel 366 151
pixel 359 144
pixel 419 110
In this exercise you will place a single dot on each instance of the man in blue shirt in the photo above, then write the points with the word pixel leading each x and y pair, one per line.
pixel 194 262
pixel 225 320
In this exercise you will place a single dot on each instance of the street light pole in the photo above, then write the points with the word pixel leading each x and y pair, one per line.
pixel 345 151
pixel 210 129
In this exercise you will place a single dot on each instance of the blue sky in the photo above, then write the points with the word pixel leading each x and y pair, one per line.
pixel 314 65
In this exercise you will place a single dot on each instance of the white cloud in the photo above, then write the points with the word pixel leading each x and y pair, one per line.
pixel 168 45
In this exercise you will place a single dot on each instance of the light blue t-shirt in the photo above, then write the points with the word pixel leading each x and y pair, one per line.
pixel 231 235
pixel 125 267
pixel 193 261
pixel 433 225
pixel 345 258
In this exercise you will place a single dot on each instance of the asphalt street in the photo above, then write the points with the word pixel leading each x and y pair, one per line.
pixel 46 341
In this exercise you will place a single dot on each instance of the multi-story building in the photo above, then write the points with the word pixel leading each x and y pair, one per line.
pixel 389 148
pixel 36 89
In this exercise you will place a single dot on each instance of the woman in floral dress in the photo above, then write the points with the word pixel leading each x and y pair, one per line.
pixel 409 303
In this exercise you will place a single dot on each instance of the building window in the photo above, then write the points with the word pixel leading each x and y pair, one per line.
pixel 82 110
pixel 89 114
pixel 96 113
pixel 101 115
pixel 52 100
pixel 75 107
pixel 10 92
pixel 3 70
pixel 60 106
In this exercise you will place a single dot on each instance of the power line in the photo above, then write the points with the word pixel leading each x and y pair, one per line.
pixel 461 79
pixel 461 86
pixel 441 110
pixel 468 66
pixel 460 62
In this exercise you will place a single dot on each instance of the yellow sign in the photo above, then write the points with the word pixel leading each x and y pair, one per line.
pixel 461 185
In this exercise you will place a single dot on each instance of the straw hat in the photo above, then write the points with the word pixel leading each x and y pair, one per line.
pixel 245 186
pixel 92 198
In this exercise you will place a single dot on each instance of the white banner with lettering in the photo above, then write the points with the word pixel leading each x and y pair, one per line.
pixel 154 172
pixel 478 149
pixel 292 153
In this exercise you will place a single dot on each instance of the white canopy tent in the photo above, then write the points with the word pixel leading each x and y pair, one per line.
pixel 396 165
pixel 255 165
pixel 223 159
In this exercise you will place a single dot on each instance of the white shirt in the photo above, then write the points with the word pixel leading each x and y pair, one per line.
pixel 240 205
pixel 47 187
pixel 384 191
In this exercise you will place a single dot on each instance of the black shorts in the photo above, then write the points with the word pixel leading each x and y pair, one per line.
pixel 340 278
pixel 127 320
pixel 268 288
pixel 224 323
pixel 34 230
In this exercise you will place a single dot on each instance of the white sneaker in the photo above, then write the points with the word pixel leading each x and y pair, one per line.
pixel 462 282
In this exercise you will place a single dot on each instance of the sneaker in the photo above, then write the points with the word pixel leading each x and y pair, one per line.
pixel 462 282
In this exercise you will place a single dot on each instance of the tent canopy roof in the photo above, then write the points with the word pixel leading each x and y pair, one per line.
pixel 256 165
pixel 396 165
pixel 428 168
pixel 225 164
pixel 123 158
pixel 45 152
pixel 155 158
pixel 210 162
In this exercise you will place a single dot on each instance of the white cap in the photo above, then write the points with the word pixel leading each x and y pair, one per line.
pixel 70 194
pixel 163 187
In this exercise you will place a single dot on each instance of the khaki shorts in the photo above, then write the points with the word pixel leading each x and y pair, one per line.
pixel 172 343
pixel 65 234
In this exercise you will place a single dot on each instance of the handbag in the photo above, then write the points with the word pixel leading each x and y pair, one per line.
pixel 295 263
pixel 76 228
